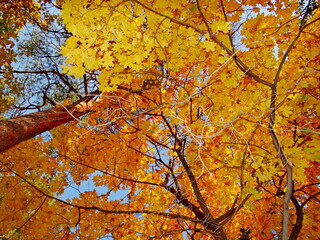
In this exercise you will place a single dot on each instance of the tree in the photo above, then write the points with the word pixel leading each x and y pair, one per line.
pixel 37 51
pixel 207 127
pixel 13 17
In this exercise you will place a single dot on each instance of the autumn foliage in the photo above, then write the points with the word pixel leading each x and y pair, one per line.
pixel 207 126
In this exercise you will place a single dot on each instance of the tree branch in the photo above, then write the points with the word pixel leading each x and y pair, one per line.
pixel 170 215
pixel 19 129
pixel 242 66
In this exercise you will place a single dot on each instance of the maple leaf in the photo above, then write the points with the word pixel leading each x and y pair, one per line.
pixel 207 125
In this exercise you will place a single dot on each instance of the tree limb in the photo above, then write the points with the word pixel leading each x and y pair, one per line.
pixel 19 129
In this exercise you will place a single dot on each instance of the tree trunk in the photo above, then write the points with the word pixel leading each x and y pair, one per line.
pixel 299 219
pixel 19 129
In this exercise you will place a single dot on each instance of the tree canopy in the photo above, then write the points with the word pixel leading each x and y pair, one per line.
pixel 180 119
